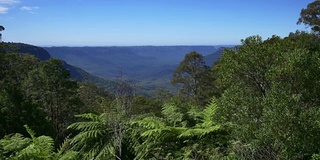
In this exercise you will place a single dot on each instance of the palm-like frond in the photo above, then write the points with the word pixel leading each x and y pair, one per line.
pixel 208 114
pixel 95 137
pixel 162 137
pixel 19 147
pixel 172 113
pixel 206 124
pixel 150 122
pixel 11 144
pixel 65 153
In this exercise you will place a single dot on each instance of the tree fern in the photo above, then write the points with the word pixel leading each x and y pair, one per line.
pixel 95 137
pixel 169 138
pixel 208 114
pixel 19 147
pixel 172 113
pixel 10 145
pixel 65 152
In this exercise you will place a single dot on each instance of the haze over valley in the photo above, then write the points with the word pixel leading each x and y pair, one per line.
pixel 149 67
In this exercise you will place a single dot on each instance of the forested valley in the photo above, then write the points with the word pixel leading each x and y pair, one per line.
pixel 260 100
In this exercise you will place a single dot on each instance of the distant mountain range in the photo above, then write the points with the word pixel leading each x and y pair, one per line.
pixel 150 67
pixel 75 72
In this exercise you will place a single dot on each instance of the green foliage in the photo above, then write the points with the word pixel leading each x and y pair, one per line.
pixel 101 136
pixel 267 106
pixel 94 139
pixel 143 105
pixel 310 16
pixel 15 109
pixel 1 29
pixel 18 147
pixel 65 152
pixel 92 97
pixel 193 79
pixel 315 157
pixel 173 137
pixel 271 97
pixel 50 86
pixel 172 113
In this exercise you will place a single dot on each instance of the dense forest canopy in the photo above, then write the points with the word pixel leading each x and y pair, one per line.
pixel 260 100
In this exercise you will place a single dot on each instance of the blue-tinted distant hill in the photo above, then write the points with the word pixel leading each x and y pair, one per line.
pixel 75 72
pixel 212 58
pixel 150 66
pixel 136 60
pixel 38 52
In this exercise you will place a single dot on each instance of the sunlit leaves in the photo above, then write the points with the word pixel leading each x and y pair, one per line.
pixel 171 137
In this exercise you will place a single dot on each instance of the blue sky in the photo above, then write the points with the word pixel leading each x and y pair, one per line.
pixel 146 22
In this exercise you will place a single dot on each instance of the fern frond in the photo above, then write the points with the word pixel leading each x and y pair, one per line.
pixel 92 116
pixel 150 122
pixel 69 155
pixel 194 112
pixel 19 147
pixel 46 144
pixel 30 131
pixel 64 152
pixel 200 132
pixel 208 113
pixel 87 136
pixel 172 113
pixel 65 146
pixel 107 152
pixel 85 126
pixel 12 143
pixel 95 139
pixel 207 124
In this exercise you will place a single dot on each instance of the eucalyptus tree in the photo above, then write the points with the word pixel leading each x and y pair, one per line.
pixel 1 29
pixel 49 85
pixel 16 109
pixel 310 16
pixel 271 98
pixel 192 78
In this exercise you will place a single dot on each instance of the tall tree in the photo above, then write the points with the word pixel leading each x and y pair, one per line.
pixel 1 29
pixel 310 16
pixel 50 86
pixel 15 109
pixel 191 77
pixel 271 98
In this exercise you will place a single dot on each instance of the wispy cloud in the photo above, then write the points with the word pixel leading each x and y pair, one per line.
pixel 8 2
pixel 29 9
pixel 3 10
pixel 5 5
pixel 26 8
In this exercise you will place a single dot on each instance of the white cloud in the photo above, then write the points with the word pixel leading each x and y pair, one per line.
pixel 3 10
pixel 29 9
pixel 26 8
pixel 5 5
pixel 8 2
